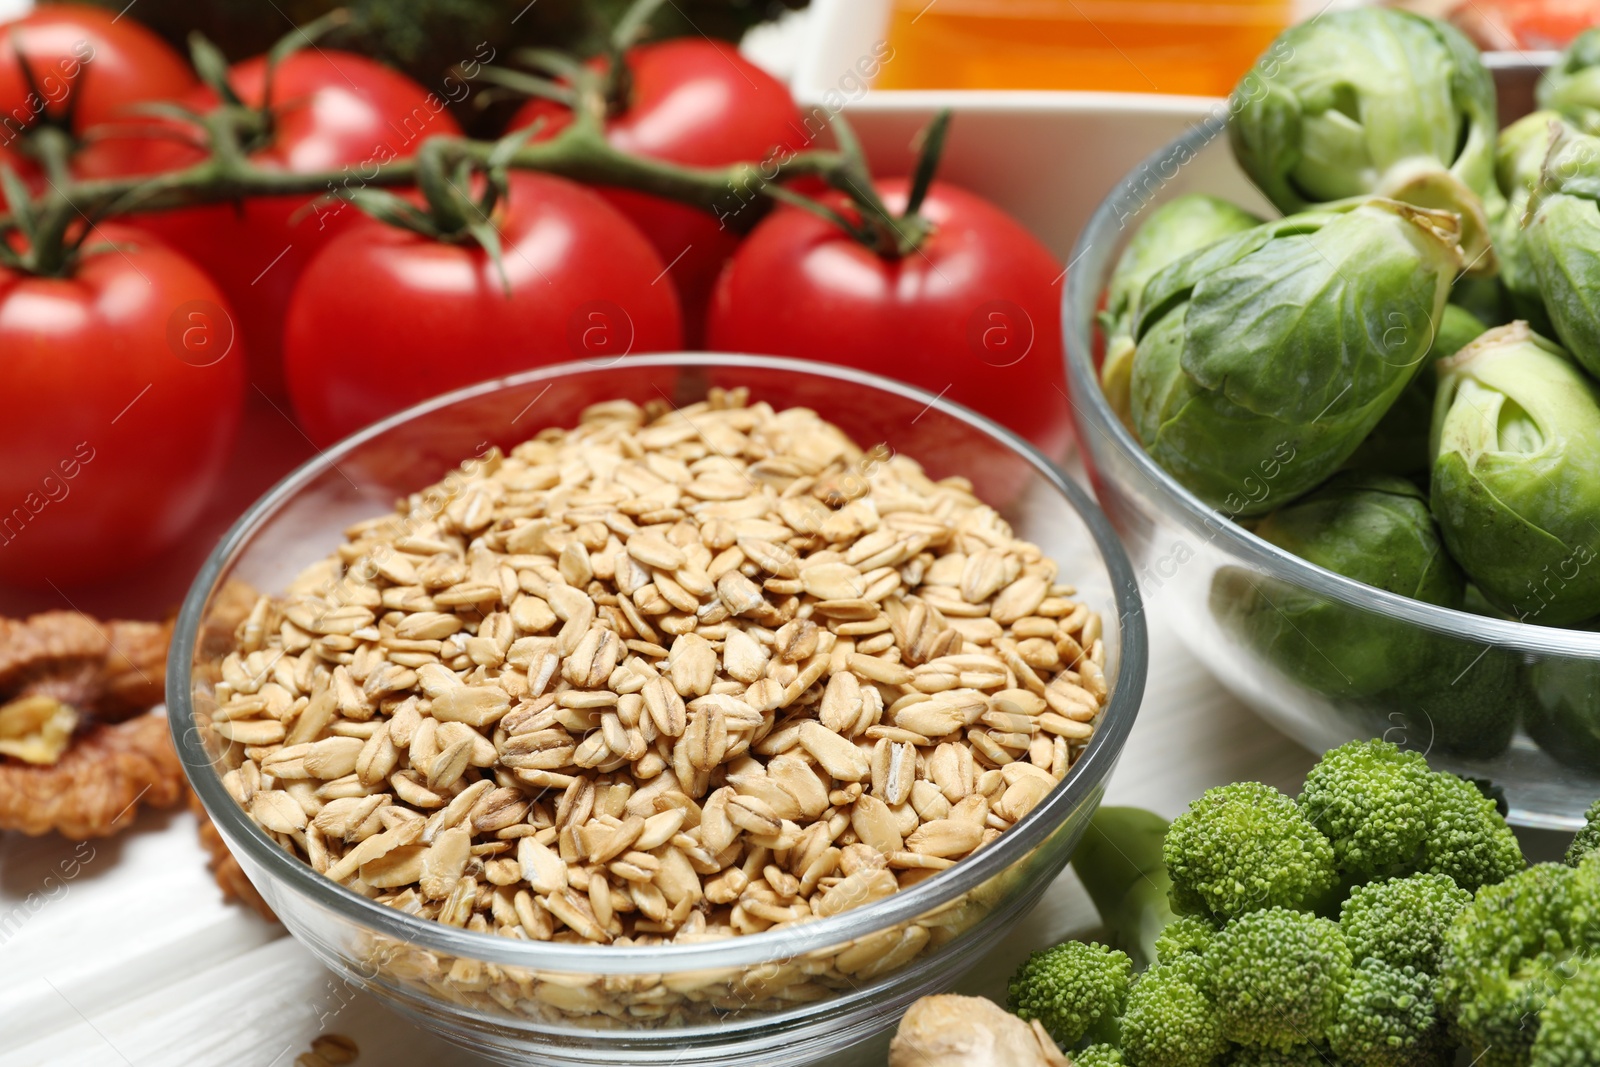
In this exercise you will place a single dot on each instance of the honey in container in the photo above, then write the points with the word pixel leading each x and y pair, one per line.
pixel 1138 46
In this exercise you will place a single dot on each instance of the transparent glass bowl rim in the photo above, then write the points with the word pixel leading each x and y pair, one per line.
pixel 1088 774
pixel 1083 292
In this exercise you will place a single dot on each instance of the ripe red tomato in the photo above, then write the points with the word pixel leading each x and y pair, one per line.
pixel 331 111
pixel 698 103
pixel 974 315
pixel 384 318
pixel 127 386
pixel 107 63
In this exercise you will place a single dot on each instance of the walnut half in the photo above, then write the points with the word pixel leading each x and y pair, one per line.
pixel 71 757
pixel 97 785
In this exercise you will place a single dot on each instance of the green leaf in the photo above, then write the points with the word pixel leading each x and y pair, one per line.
pixel 933 136
pixel 525 84
pixel 212 67
pixel 388 208
pixel 293 41
pixel 487 236
pixel 19 199
pixel 551 62
pixel 633 23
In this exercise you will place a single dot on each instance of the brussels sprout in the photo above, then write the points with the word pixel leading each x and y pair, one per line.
pixel 1572 86
pixel 1561 240
pixel 1180 226
pixel 1386 676
pixel 1519 169
pixel 1564 717
pixel 1376 529
pixel 1516 475
pixel 1264 360
pixel 1399 444
pixel 1373 101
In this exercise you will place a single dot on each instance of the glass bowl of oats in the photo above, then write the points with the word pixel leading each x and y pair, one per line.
pixel 693 708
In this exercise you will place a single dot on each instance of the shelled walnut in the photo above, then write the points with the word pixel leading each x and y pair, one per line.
pixel 80 750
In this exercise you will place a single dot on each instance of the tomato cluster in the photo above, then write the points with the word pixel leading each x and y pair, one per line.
pixel 134 367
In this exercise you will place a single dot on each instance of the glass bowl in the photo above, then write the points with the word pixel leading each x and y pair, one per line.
pixel 1324 658
pixel 787 996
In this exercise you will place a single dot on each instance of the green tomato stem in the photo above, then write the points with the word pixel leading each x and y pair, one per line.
pixel 579 152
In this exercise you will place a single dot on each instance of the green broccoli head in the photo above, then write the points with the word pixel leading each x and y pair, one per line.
pixel 1510 951
pixel 1170 1022
pixel 1098 1056
pixel 1076 990
pixel 1569 1026
pixel 1388 1019
pixel 1372 800
pixel 1244 847
pixel 1277 977
pixel 1402 921
pixel 1467 837
pixel 1588 840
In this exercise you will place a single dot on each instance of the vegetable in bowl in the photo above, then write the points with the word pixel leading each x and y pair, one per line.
pixel 1378 671
pixel 1183 225
pixel 1264 360
pixel 1572 86
pixel 1517 449
pixel 1561 233
pixel 1372 102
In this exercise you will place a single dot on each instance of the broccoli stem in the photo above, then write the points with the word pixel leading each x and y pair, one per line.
pixel 1119 862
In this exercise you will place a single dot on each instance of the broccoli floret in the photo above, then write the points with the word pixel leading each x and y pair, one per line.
pixel 1467 837
pixel 1388 1019
pixel 1277 977
pixel 1569 1027
pixel 1170 1022
pixel 1182 947
pixel 1244 847
pixel 1588 839
pixel 1076 990
pixel 1372 800
pixel 1388 815
pixel 1187 935
pixel 1098 1056
pixel 1510 951
pixel 1402 921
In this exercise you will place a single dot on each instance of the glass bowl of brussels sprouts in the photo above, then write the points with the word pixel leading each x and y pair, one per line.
pixel 1333 357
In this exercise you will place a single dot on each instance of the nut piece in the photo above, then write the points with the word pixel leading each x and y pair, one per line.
pixel 36 729
pixel 97 785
